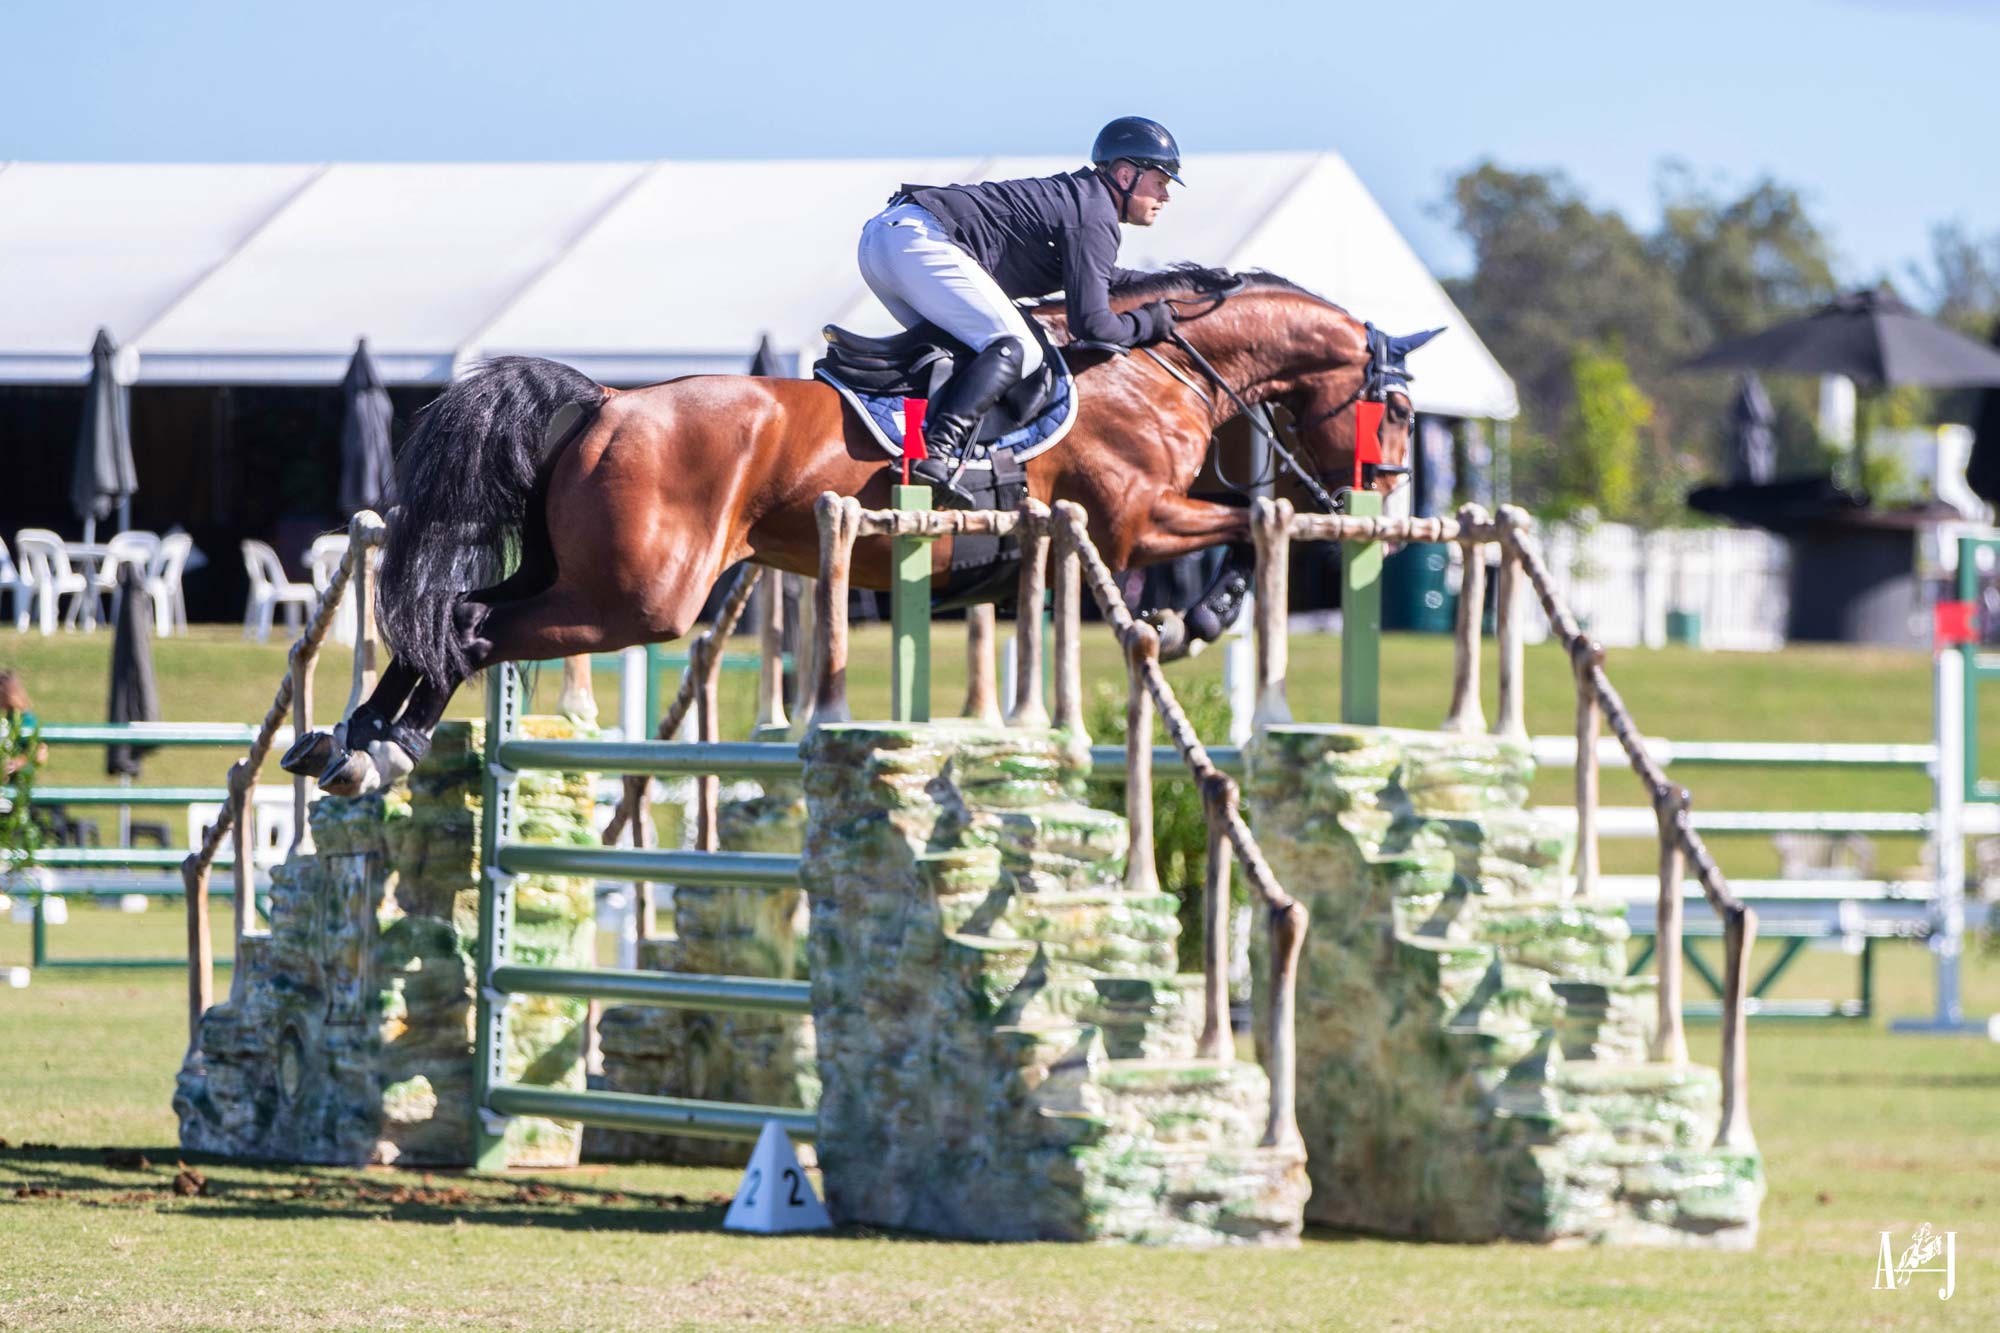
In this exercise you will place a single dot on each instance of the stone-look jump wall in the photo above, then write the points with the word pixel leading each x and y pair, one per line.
pixel 1006 1050
pixel 347 1034
pixel 715 1055
pixel 1472 1054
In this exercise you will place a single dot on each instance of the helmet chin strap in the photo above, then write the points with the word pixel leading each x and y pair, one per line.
pixel 1124 192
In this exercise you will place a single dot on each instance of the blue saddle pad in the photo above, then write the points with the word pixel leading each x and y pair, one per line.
pixel 883 415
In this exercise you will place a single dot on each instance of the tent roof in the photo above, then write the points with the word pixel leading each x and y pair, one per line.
pixel 630 271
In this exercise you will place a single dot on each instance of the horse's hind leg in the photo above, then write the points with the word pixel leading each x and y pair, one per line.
pixel 313 753
pixel 557 622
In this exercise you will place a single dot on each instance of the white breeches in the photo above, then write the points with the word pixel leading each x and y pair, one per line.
pixel 919 274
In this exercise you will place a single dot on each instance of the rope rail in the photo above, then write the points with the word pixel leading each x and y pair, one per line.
pixel 366 533
pixel 1598 704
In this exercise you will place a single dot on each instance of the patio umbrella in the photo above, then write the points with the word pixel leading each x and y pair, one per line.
pixel 765 362
pixel 1753 444
pixel 135 695
pixel 367 476
pixel 103 478
pixel 1869 336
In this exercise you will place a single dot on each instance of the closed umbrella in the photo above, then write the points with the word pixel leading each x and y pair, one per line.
pixel 135 694
pixel 1753 443
pixel 103 477
pixel 367 474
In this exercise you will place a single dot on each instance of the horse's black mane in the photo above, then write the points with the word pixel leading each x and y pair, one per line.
pixel 1194 280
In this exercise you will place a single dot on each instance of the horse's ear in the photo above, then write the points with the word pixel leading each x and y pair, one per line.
pixel 1401 345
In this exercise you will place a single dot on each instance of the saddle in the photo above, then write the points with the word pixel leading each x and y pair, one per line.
pixel 916 363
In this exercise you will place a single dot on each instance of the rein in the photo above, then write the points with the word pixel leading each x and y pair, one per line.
pixel 1311 483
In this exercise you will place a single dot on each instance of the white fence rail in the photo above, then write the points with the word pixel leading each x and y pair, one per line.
pixel 1621 582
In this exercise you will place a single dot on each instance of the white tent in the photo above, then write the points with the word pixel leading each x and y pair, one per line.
pixel 630 271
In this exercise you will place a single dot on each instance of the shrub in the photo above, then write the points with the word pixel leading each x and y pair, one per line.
pixel 1180 831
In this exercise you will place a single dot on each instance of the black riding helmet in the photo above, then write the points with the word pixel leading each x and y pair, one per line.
pixel 1140 141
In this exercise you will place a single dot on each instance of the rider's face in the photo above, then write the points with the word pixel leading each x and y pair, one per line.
pixel 1149 193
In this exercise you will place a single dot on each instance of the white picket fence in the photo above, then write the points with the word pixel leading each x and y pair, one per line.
pixel 1621 582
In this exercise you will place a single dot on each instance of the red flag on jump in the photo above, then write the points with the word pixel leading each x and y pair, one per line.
pixel 1954 625
pixel 913 432
pixel 1367 436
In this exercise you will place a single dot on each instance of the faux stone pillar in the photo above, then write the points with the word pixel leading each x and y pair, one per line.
pixel 347 1034
pixel 1005 1049
pixel 1472 1054
pixel 716 1055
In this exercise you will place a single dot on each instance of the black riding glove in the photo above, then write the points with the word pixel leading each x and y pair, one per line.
pixel 1162 316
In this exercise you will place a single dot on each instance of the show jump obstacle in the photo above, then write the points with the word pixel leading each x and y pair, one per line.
pixel 992 1040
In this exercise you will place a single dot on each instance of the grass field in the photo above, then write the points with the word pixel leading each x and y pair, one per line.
pixel 1862 1131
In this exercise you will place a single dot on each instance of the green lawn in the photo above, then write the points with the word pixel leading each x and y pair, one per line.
pixel 1862 1130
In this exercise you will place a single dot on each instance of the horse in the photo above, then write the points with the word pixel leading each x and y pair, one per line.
pixel 618 509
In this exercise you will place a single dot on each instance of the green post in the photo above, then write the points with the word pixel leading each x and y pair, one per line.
pixel 1361 619
pixel 910 613
pixel 40 957
pixel 496 922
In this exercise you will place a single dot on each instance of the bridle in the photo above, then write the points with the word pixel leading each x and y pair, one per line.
pixel 1382 374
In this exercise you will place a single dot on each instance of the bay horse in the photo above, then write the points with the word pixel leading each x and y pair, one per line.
pixel 619 508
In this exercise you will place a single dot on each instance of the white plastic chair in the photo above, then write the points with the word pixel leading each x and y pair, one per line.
pixel 269 590
pixel 51 577
pixel 136 548
pixel 163 583
pixel 322 561
pixel 14 581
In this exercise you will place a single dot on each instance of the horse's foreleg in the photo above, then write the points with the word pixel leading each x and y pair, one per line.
pixel 1178 525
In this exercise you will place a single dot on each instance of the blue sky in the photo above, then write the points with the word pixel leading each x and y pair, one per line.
pixel 1881 112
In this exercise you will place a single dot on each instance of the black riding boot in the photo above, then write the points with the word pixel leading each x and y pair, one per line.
pixel 954 417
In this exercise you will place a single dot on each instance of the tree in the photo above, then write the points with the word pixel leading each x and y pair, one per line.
pixel 1599 462
pixel 1740 264
pixel 1549 273
pixel 1961 284
pixel 1556 282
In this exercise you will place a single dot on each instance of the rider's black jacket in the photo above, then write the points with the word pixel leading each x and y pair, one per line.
pixel 1036 236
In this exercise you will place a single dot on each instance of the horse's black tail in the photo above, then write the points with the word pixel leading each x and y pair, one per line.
pixel 464 481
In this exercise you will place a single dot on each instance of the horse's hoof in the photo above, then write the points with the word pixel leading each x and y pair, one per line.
pixel 390 760
pixel 1172 627
pixel 351 773
pixel 309 754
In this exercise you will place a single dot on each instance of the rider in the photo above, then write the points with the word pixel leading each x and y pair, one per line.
pixel 956 255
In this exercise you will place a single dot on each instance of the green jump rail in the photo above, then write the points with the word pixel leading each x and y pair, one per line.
pixel 769 759
pixel 149 733
pixel 716 870
pixel 673 990
pixel 682 1116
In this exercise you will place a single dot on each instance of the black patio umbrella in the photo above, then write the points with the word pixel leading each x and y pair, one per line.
pixel 135 694
pixel 1869 336
pixel 103 477
pixel 765 362
pixel 1753 443
pixel 367 473
pixel 1982 470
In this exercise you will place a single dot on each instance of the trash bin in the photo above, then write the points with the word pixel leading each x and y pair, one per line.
pixel 1684 627
pixel 1414 595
